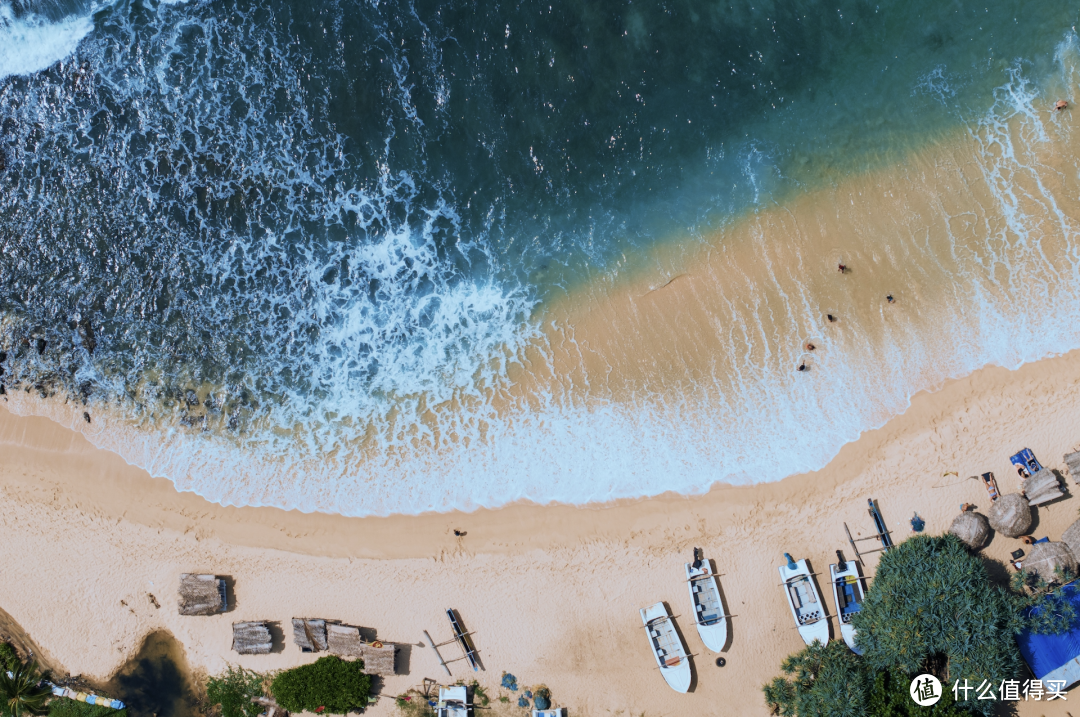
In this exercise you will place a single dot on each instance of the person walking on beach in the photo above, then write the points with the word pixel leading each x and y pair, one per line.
pixel 842 268
pixel 1061 105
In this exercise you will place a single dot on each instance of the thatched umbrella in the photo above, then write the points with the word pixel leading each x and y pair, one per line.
pixel 1045 558
pixel 972 528
pixel 1011 515
pixel 1071 537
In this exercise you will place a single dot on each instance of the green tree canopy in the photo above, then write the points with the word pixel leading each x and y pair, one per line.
pixel 329 682
pixel 821 680
pixel 21 694
pixel 932 599
pixel 235 691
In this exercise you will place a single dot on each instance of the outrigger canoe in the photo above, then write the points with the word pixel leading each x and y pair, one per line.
pixel 666 646
pixel 805 601
pixel 708 608
pixel 848 592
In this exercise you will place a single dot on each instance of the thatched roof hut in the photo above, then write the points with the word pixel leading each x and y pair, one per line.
pixel 251 638
pixel 1071 537
pixel 379 660
pixel 972 528
pixel 1072 462
pixel 345 640
pixel 201 594
pixel 1045 558
pixel 1010 515
pixel 1042 487
pixel 309 634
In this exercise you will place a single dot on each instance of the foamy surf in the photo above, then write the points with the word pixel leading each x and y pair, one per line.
pixel 30 43
pixel 271 298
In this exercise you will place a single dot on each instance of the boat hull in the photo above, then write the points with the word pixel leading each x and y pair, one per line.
pixel 713 636
pixel 809 616
pixel 675 664
pixel 838 578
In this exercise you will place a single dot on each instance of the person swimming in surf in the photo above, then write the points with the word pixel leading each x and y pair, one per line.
pixel 1061 105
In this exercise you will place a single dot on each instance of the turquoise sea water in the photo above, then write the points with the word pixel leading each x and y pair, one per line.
pixel 276 228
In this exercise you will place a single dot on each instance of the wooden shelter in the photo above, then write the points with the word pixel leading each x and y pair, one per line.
pixel 1046 558
pixel 1010 515
pixel 201 594
pixel 1042 487
pixel 972 528
pixel 346 640
pixel 252 638
pixel 1072 461
pixel 379 660
pixel 309 634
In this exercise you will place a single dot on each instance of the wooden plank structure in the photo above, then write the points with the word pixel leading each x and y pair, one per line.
pixel 1042 487
pixel 883 534
pixel 463 640
pixel 379 659
pixel 309 634
pixel 201 594
pixel 252 638
pixel 1072 460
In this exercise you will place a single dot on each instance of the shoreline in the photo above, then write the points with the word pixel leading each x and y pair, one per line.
pixel 100 535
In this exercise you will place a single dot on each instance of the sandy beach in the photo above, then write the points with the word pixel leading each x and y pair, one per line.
pixel 100 541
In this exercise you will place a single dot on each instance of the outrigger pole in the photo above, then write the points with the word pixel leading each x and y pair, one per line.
pixel 882 534
pixel 461 638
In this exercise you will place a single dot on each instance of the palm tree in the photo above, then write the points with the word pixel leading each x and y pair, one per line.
pixel 21 693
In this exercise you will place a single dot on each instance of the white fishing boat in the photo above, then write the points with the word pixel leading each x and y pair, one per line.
pixel 708 608
pixel 557 712
pixel 666 646
pixel 805 601
pixel 453 702
pixel 848 592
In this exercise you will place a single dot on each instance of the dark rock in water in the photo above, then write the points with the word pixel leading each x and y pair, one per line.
pixel 3 356
pixel 2 391
pixel 86 416
pixel 191 398
pixel 86 335
pixel 41 344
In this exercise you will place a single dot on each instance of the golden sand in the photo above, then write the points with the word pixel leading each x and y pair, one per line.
pixel 552 593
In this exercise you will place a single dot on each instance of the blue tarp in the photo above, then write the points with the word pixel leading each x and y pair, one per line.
pixel 1026 459
pixel 1054 657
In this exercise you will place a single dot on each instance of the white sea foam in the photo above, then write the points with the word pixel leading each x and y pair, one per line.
pixel 399 364
pixel 31 43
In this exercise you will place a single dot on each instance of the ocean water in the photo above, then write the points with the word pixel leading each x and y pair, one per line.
pixel 373 258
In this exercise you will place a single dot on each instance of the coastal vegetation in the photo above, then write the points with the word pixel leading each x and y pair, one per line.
pixel 234 692
pixel 335 685
pixel 931 608
pixel 21 691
